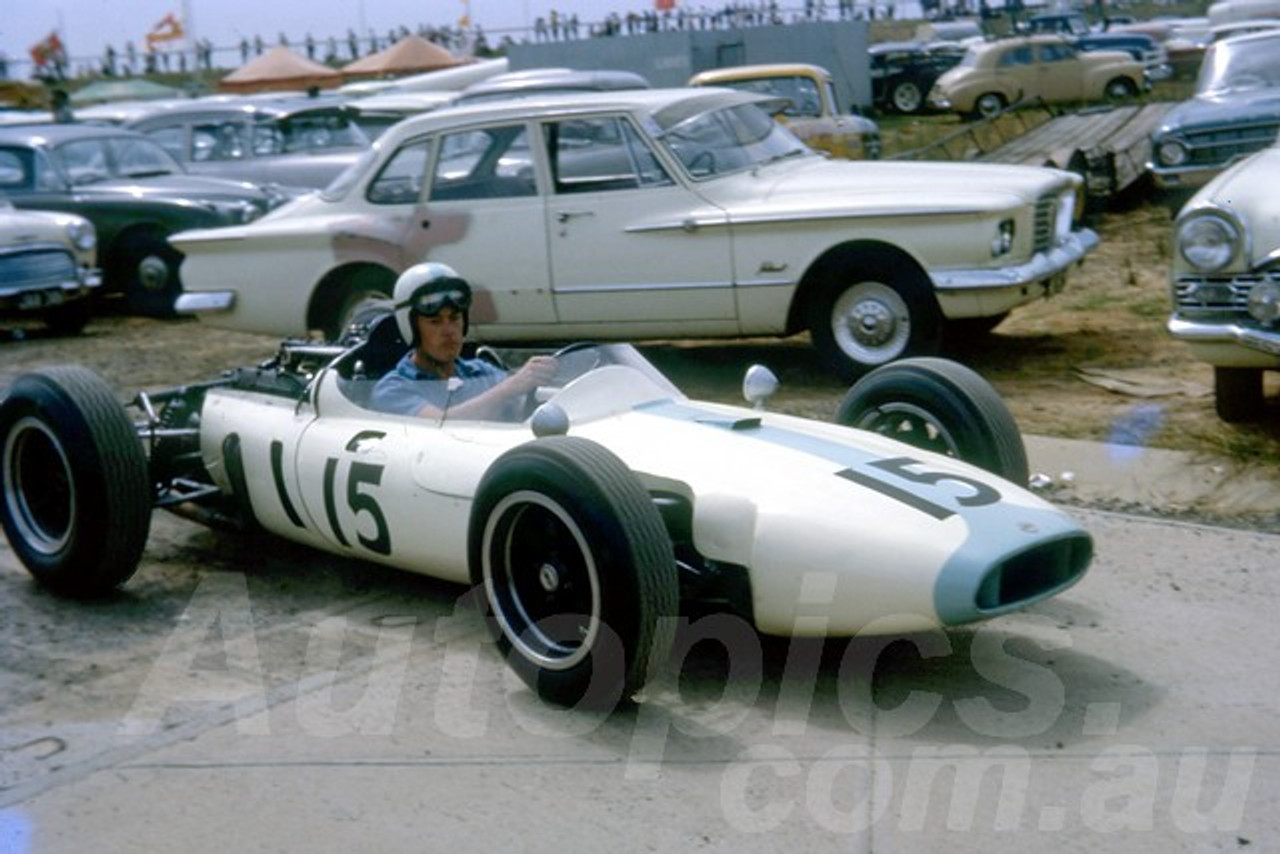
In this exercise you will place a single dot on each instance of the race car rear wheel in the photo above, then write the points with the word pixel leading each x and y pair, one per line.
pixel 76 500
pixel 577 571
pixel 940 406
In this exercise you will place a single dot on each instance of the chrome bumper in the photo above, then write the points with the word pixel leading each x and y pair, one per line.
pixel 1044 265
pixel 205 302
pixel 1225 333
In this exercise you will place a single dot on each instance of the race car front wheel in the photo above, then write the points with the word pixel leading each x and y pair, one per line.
pixel 577 571
pixel 76 495
pixel 942 406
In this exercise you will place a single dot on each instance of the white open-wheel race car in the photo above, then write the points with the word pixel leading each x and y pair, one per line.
pixel 591 521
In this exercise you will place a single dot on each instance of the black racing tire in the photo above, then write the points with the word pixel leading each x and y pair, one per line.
pixel 941 406
pixel 576 570
pixel 906 96
pixel 75 492
pixel 1238 394
pixel 148 267
pixel 988 105
pixel 872 312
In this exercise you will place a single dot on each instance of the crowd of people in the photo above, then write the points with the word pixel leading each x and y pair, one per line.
pixel 468 37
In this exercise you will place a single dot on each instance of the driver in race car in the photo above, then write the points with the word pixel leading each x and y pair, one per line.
pixel 432 305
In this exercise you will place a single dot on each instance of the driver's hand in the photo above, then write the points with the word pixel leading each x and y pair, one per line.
pixel 537 371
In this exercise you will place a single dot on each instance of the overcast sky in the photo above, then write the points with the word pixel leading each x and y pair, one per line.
pixel 88 26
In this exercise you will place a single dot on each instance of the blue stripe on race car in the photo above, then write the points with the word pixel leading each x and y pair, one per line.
pixel 998 533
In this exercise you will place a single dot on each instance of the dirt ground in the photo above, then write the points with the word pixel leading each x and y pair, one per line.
pixel 1093 362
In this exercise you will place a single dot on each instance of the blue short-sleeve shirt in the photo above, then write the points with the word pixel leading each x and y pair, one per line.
pixel 406 388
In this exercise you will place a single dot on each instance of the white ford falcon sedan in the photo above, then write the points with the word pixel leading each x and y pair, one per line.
pixel 651 214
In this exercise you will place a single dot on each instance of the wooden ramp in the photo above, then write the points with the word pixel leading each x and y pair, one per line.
pixel 1107 146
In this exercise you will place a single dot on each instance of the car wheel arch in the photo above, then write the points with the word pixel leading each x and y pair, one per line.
pixel 843 256
pixel 885 286
pixel 336 292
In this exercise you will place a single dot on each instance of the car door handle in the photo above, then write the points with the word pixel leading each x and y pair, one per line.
pixel 565 216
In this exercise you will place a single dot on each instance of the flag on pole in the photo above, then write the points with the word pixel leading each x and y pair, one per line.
pixel 464 22
pixel 664 5
pixel 168 29
pixel 47 50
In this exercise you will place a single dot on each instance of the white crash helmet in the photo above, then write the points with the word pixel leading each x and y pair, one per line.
pixel 426 289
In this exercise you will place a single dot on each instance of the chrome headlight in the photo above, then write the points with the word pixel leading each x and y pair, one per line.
pixel 1264 303
pixel 1002 243
pixel 1208 241
pixel 1171 152
pixel 82 234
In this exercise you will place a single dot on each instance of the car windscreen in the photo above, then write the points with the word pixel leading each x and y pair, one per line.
pixel 88 161
pixel 730 139
pixel 1240 65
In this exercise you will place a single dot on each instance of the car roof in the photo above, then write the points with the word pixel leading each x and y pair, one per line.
pixel 553 79
pixel 55 133
pixel 738 72
pixel 242 106
pixel 673 105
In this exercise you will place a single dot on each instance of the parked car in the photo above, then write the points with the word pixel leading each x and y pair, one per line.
pixel 963 31
pixel 808 105
pixel 995 75
pixel 300 144
pixel 1225 281
pixel 1183 39
pixel 48 267
pixel 902 73
pixel 583 526
pixel 1234 113
pixel 133 192
pixel 652 213
pixel 1142 47
pixel 1067 23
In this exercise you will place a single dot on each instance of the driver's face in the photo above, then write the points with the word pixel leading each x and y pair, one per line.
pixel 440 336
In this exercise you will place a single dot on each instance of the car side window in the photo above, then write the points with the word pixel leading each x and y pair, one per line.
pixel 606 153
pixel 15 171
pixel 137 157
pixel 493 163
pixel 399 182
pixel 1055 53
pixel 172 139
pixel 1016 56
pixel 85 161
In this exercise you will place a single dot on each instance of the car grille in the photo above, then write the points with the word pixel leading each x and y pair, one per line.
pixel 1046 211
pixel 1219 294
pixel 36 269
pixel 1215 147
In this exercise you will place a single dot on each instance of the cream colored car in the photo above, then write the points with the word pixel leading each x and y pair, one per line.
pixel 995 75
pixel 812 111
pixel 652 213
pixel 1225 280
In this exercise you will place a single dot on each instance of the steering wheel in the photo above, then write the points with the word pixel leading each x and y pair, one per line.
pixel 531 397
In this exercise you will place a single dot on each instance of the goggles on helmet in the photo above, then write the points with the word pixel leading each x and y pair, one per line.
pixel 434 297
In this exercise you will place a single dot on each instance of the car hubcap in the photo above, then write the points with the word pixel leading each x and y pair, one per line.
pixel 153 274
pixel 38 489
pixel 541 580
pixel 871 323
pixel 912 425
